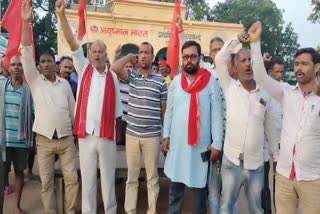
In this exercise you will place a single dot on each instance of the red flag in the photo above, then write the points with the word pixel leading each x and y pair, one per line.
pixel 12 22
pixel 174 43
pixel 82 19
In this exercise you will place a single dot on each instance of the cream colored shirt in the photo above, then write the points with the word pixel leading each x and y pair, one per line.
pixel 53 101
pixel 96 94
pixel 301 123
pixel 250 117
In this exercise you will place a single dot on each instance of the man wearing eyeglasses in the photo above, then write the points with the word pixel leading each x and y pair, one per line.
pixel 193 125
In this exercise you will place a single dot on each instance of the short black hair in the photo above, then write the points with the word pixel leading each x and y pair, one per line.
pixel 267 65
pixel 314 54
pixel 274 61
pixel 154 63
pixel 66 57
pixel 46 52
pixel 216 39
pixel 191 43
pixel 147 43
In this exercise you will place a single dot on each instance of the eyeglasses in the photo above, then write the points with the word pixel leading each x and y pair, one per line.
pixel 192 57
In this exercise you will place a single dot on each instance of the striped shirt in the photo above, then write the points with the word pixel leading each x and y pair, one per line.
pixel 12 108
pixel 124 92
pixel 144 108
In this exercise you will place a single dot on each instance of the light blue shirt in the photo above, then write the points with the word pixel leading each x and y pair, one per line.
pixel 183 163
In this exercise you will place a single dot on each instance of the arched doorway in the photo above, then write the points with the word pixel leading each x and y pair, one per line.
pixel 162 53
pixel 129 48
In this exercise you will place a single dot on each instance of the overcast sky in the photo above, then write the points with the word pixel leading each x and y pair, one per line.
pixel 297 12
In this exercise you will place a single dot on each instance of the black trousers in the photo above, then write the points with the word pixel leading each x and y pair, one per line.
pixel 176 193
pixel 266 194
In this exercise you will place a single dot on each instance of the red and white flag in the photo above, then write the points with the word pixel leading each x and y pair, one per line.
pixel 12 22
pixel 82 19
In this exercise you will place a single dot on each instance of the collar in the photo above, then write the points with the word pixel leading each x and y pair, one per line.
pixel 151 73
pixel 58 79
pixel 297 87
pixel 10 82
pixel 104 72
pixel 212 66
pixel 255 90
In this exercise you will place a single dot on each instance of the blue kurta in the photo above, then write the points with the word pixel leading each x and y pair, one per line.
pixel 183 163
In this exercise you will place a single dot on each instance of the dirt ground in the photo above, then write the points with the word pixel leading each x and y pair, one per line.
pixel 31 201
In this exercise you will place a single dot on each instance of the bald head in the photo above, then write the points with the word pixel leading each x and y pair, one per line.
pixel 98 54
pixel 15 67
pixel 98 43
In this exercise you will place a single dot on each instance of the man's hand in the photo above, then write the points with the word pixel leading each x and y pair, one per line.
pixel 26 10
pixel 267 57
pixel 165 145
pixel 255 31
pixel 243 37
pixel 132 58
pixel 215 154
pixel 117 52
pixel 60 7
pixel 179 24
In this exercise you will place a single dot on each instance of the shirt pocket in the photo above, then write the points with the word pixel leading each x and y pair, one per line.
pixel 259 111
pixel 314 121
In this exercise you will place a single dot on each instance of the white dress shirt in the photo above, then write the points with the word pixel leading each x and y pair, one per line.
pixel 96 94
pixel 277 125
pixel 53 101
pixel 250 117
pixel 301 123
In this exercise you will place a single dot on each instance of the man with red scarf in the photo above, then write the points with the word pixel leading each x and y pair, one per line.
pixel 98 108
pixel 193 124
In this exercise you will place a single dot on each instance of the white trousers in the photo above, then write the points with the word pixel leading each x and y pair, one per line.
pixel 93 149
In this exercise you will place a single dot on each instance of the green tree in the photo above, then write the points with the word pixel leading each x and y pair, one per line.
pixel 44 23
pixel 277 38
pixel 315 15
pixel 195 9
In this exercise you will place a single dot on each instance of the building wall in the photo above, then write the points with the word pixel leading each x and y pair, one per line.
pixel 136 21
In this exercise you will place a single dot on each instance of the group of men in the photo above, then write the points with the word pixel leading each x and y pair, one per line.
pixel 219 124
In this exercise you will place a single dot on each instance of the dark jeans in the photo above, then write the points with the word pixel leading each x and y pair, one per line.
pixel 176 193
pixel 265 194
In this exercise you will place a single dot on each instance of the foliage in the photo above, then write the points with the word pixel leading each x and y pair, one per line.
pixel 277 38
pixel 315 15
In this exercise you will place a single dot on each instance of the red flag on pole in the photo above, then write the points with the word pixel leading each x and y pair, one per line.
pixel 12 22
pixel 174 43
pixel 82 19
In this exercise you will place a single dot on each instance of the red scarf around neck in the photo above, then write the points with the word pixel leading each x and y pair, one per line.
pixel 108 106
pixel 201 79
